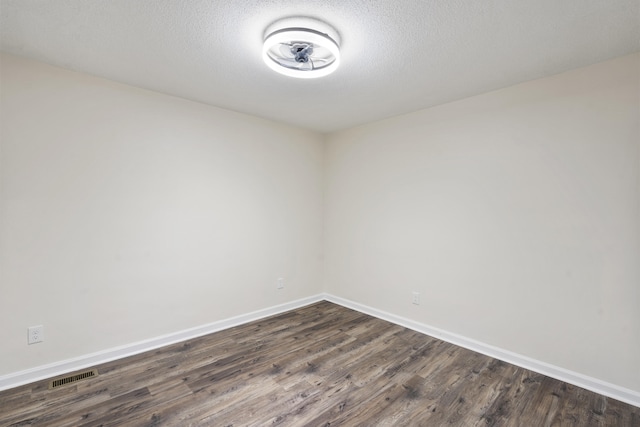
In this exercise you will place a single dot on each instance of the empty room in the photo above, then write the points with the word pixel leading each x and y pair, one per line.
pixel 319 213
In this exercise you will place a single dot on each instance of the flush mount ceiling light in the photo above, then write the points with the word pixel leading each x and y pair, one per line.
pixel 301 52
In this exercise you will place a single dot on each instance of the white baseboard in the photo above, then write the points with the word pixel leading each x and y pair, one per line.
pixel 607 389
pixel 65 366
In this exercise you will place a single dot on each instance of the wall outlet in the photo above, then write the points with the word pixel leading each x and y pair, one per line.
pixel 35 334
pixel 415 298
pixel 280 283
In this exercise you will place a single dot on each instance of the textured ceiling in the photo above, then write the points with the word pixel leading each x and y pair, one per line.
pixel 397 55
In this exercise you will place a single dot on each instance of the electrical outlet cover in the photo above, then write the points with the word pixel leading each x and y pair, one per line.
pixel 416 298
pixel 35 334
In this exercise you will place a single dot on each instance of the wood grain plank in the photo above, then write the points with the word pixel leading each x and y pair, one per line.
pixel 320 365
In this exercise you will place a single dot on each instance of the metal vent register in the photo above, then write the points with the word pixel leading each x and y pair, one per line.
pixel 73 378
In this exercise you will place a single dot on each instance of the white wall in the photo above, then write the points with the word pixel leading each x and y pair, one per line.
pixel 515 214
pixel 127 214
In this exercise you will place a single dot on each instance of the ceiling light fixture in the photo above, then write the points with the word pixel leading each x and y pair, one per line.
pixel 301 52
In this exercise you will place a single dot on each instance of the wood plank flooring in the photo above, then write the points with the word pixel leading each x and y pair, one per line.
pixel 320 365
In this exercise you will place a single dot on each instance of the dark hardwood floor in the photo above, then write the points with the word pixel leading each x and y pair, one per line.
pixel 321 365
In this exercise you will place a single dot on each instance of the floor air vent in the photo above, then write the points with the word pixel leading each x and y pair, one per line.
pixel 73 378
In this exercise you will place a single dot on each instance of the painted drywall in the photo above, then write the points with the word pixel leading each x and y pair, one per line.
pixel 127 214
pixel 515 214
